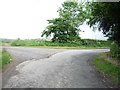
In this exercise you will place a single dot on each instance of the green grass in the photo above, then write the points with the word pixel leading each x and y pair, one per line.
pixel 5 59
pixel 111 70
pixel 0 58
pixel 83 43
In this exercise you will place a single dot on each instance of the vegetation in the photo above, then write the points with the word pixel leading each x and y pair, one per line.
pixel 110 69
pixel 5 42
pixel 66 27
pixel 65 32
pixel 5 58
pixel 106 17
pixel 80 43
pixel 115 50
pixel 0 58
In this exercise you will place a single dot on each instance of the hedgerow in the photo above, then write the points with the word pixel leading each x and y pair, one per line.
pixel 81 42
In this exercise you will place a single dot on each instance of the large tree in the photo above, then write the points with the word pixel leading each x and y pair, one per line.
pixel 66 27
pixel 61 30
pixel 73 12
pixel 107 18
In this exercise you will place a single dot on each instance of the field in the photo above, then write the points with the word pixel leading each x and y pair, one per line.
pixel 83 43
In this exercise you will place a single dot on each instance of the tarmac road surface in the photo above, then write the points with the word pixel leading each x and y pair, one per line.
pixel 53 68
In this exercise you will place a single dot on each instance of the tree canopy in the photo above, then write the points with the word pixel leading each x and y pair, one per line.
pixel 61 30
pixel 72 14
pixel 107 18
pixel 66 27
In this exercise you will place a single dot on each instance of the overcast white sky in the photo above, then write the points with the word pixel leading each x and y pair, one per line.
pixel 26 19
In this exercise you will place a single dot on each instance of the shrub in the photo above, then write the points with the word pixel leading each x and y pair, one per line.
pixel 115 50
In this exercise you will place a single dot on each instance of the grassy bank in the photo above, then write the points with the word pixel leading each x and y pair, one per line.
pixel 84 43
pixel 107 65
pixel 5 59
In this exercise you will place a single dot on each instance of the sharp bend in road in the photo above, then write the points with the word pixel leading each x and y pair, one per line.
pixel 54 68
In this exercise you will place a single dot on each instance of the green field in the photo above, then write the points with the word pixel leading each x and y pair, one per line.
pixel 83 43
pixel 110 69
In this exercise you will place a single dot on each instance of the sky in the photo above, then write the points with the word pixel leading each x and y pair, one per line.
pixel 26 19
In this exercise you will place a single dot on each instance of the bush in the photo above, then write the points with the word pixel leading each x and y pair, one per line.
pixel 115 50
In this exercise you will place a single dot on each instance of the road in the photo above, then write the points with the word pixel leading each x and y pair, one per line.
pixel 53 68
pixel 22 54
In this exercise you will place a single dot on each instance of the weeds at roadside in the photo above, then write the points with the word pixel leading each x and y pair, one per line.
pixel 6 58
pixel 111 70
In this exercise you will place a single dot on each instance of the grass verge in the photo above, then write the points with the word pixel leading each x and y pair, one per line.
pixel 0 58
pixel 5 59
pixel 110 69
